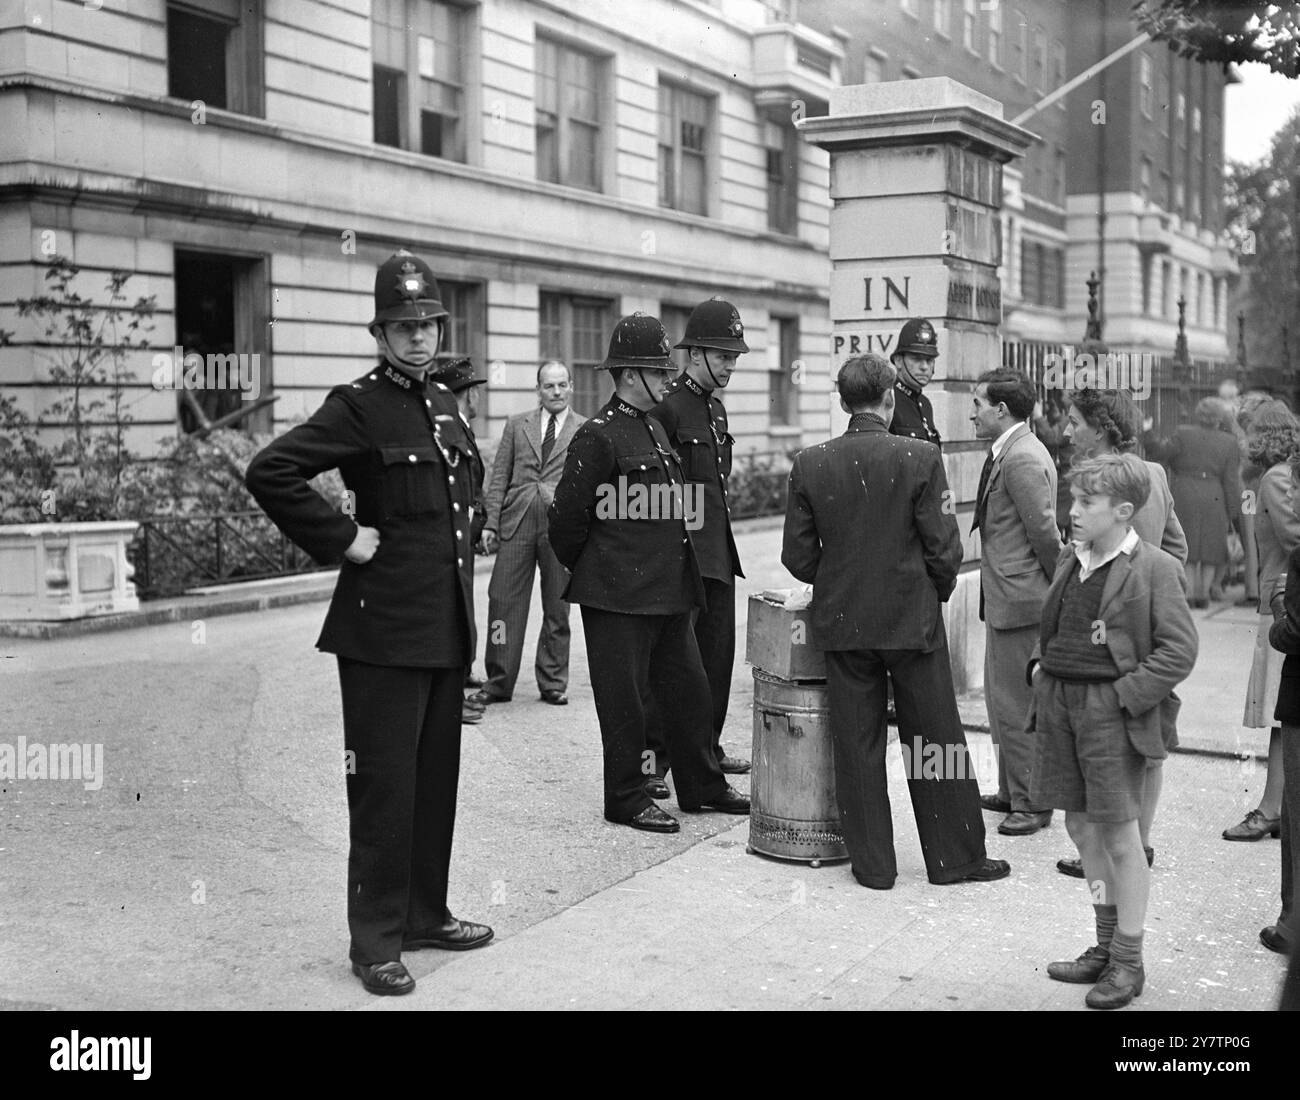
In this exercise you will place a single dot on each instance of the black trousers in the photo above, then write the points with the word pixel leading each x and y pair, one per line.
pixel 402 727
pixel 945 798
pixel 715 634
pixel 635 657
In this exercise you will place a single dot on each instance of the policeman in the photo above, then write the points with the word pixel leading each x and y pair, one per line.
pixel 696 422
pixel 618 524
pixel 457 374
pixel 400 619
pixel 918 348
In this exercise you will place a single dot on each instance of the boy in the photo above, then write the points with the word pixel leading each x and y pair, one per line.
pixel 1116 638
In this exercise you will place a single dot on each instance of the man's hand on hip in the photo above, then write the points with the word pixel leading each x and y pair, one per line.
pixel 490 542
pixel 364 546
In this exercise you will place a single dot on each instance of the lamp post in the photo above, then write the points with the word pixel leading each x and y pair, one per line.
pixel 1181 367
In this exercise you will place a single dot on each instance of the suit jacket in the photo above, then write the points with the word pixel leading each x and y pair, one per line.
pixel 612 522
pixel 408 460
pixel 866 525
pixel 1148 632
pixel 518 476
pixel 1020 539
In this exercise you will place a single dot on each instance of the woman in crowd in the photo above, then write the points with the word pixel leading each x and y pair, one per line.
pixel 1250 474
pixel 1102 422
pixel 1205 463
pixel 1272 438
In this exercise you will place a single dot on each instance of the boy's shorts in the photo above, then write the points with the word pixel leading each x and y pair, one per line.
pixel 1083 761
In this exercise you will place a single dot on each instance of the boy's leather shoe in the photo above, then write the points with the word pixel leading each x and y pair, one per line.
pixel 1074 867
pixel 387 979
pixel 730 801
pixel 555 698
pixel 1023 822
pixel 994 804
pixel 483 699
pixel 1085 970
pixel 455 935
pixel 1254 826
pixel 1116 987
pixel 733 765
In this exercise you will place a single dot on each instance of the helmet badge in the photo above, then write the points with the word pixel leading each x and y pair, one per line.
pixel 410 282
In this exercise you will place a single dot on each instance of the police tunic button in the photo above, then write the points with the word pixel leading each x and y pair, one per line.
pixel 455 507
pixel 373 377
pixel 451 479
pixel 412 458
pixel 460 561
pixel 428 402
pixel 460 534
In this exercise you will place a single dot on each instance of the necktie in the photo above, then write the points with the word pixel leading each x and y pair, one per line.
pixel 548 441
pixel 979 498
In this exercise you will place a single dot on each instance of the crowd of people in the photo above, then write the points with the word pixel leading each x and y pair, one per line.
pixel 1088 614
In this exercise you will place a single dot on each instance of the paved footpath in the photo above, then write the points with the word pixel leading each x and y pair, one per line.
pixel 216 848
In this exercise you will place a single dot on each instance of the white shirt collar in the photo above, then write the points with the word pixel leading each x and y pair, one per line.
pixel 1088 566
pixel 1001 440
pixel 560 418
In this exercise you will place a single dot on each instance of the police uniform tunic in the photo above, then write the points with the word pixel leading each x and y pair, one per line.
pixel 913 415
pixel 696 422
pixel 400 625
pixel 636 576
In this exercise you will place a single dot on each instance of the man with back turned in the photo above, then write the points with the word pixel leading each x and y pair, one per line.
pixel 869 524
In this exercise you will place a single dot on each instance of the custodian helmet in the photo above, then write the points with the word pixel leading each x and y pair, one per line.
pixel 456 373
pixel 715 324
pixel 918 337
pixel 638 341
pixel 405 290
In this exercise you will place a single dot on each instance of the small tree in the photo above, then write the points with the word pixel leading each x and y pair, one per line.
pixel 90 344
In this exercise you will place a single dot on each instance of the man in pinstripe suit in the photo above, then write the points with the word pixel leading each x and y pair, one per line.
pixel 525 472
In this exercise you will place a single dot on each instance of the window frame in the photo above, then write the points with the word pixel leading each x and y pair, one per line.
pixel 1146 85
pixel 783 397
pixel 411 107
pixel 675 152
pixel 1021 71
pixel 245 53
pixel 587 381
pixel 565 121
pixel 970 27
pixel 942 18
pixel 994 37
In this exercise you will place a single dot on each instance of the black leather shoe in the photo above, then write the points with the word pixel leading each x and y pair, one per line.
pixel 1085 970
pixel 730 801
pixel 1023 822
pixel 653 820
pixel 555 698
pixel 1117 986
pixel 472 681
pixel 655 787
pixel 1275 939
pixel 990 870
pixel 389 979
pixel 482 698
pixel 455 935
pixel 733 765
pixel 470 717
pixel 994 804
pixel 1074 867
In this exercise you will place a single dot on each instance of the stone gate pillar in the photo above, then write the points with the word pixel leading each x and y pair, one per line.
pixel 916 188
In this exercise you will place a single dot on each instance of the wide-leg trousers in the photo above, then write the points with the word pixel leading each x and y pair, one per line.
pixel 401 729
pixel 715 634
pixel 510 592
pixel 945 799
pixel 635 657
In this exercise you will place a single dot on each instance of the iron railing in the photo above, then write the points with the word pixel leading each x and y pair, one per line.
pixel 173 553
